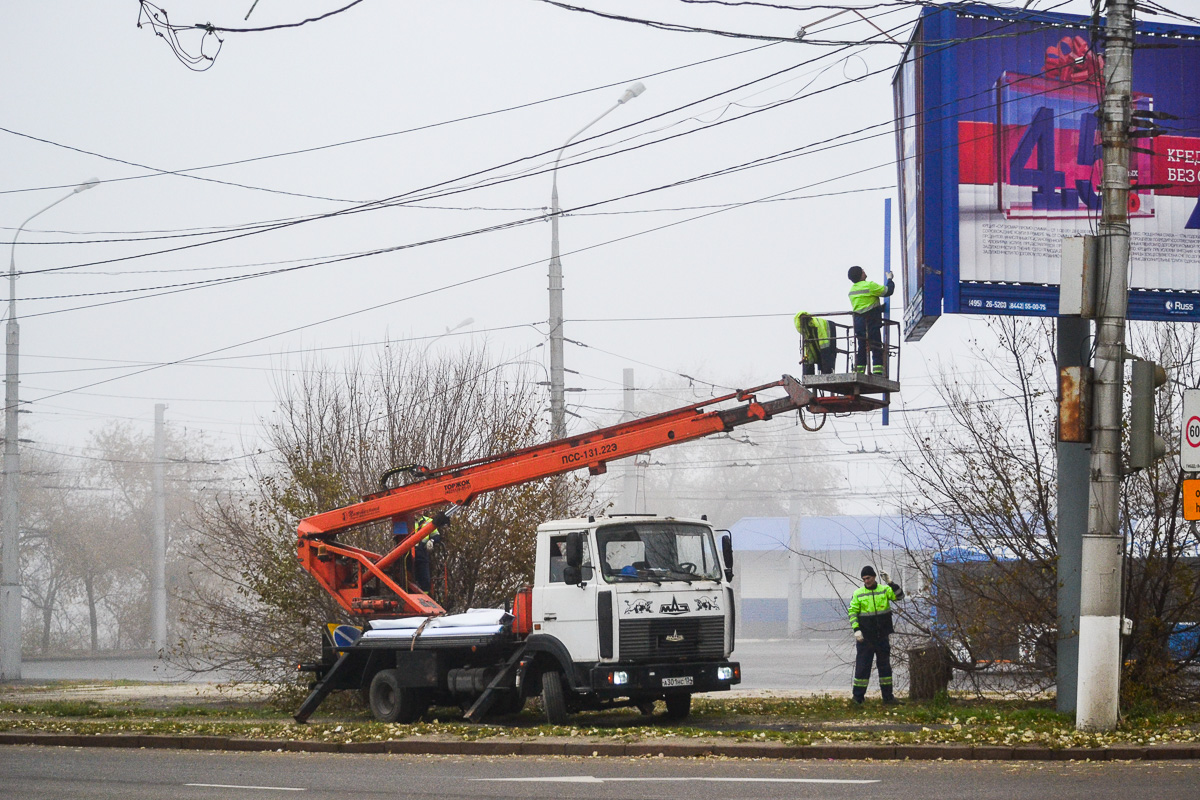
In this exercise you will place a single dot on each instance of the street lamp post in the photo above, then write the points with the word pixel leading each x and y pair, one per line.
pixel 10 579
pixel 558 406
pixel 462 324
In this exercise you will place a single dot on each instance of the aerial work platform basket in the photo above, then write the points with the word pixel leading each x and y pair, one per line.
pixel 835 372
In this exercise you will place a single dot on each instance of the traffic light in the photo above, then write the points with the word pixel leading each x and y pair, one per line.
pixel 1145 446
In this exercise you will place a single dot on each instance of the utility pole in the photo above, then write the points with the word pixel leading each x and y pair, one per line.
pixel 1074 458
pixel 1100 593
pixel 558 404
pixel 10 543
pixel 629 476
pixel 10 583
pixel 158 549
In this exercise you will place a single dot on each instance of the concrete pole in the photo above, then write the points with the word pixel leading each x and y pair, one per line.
pixel 1074 459
pixel 10 545
pixel 1100 596
pixel 629 474
pixel 158 549
pixel 795 607
pixel 558 405
pixel 10 582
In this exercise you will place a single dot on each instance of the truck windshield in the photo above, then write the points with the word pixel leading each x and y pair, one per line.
pixel 657 551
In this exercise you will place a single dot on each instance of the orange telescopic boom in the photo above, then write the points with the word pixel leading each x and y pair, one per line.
pixel 344 571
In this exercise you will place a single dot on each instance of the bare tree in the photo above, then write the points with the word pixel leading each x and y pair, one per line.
pixel 1162 565
pixel 982 516
pixel 87 523
pixel 252 611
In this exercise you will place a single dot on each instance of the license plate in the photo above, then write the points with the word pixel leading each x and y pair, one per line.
pixel 686 680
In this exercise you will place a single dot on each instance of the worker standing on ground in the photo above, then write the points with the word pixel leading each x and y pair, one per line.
pixel 817 338
pixel 871 621
pixel 868 318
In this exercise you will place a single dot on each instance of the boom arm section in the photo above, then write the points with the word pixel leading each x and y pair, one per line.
pixel 343 570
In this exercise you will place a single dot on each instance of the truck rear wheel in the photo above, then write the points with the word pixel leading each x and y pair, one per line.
pixel 392 703
pixel 678 706
pixel 553 701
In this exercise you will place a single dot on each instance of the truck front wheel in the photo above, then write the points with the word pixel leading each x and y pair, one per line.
pixel 553 701
pixel 678 706
pixel 392 703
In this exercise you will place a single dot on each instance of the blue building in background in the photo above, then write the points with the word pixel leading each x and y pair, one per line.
pixel 794 577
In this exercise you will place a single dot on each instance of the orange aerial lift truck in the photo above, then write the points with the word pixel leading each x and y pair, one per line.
pixel 625 609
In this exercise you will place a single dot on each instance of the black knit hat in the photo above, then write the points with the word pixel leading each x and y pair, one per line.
pixel 855 274
pixel 867 570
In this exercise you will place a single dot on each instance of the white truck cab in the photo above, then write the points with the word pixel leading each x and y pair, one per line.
pixel 641 605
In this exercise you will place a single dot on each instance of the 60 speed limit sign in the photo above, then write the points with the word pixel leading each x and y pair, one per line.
pixel 1189 442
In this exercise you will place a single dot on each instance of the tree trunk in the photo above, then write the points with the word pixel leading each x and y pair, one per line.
pixel 929 671
pixel 48 615
pixel 89 584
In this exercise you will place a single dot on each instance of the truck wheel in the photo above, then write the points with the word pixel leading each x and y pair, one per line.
pixel 392 703
pixel 553 701
pixel 678 706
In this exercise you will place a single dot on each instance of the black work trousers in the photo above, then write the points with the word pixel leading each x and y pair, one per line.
pixel 826 359
pixel 868 335
pixel 879 650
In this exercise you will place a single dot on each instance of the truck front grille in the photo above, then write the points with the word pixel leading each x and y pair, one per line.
pixel 667 638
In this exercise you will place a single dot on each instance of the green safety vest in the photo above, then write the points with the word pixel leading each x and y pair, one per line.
pixel 865 295
pixel 871 610
pixel 421 523
pixel 816 335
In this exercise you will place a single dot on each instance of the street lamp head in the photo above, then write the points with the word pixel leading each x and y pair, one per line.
pixel 88 184
pixel 632 92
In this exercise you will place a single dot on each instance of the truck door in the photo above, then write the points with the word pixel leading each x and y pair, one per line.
pixel 565 611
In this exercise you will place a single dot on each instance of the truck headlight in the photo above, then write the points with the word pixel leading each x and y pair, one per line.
pixel 724 673
pixel 618 678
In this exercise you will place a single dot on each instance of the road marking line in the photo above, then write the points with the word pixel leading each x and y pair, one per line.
pixel 236 786
pixel 593 779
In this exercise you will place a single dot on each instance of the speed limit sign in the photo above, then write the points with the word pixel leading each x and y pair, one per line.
pixel 1189 442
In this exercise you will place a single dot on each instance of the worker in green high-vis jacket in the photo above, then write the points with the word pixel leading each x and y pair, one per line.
pixel 871 620
pixel 817 337
pixel 868 318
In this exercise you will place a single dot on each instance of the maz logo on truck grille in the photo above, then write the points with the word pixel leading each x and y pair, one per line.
pixel 674 607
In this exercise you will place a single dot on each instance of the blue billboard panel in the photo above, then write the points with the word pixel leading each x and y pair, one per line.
pixel 1000 159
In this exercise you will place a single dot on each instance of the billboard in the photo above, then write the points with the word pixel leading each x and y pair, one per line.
pixel 1000 159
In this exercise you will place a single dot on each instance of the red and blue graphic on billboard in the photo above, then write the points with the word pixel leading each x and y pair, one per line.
pixel 1000 159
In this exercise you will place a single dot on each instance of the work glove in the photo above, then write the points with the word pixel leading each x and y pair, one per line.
pixel 887 276
pixel 858 637
pixel 884 579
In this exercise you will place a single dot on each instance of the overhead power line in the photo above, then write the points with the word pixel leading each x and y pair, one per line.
pixel 158 173
pixel 802 38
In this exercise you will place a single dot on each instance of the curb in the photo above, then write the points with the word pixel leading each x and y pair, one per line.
pixel 848 752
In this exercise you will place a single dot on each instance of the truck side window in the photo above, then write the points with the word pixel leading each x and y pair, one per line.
pixel 558 559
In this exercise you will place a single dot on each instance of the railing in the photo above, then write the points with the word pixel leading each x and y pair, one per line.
pixel 840 354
